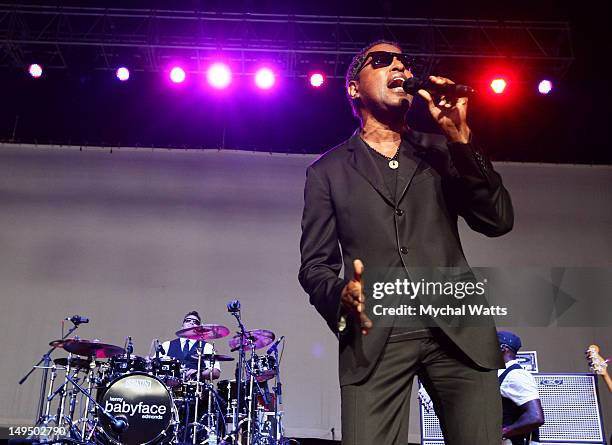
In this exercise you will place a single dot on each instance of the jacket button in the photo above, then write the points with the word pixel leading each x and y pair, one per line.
pixel 399 212
pixel 404 250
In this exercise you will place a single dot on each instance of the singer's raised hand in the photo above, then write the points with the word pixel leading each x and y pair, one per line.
pixel 353 298
pixel 450 113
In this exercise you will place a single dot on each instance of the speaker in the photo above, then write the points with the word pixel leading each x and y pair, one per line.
pixel 571 411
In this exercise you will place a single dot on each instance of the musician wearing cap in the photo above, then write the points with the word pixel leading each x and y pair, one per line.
pixel 389 199
pixel 185 350
pixel 522 409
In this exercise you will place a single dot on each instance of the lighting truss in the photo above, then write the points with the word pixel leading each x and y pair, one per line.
pixel 149 40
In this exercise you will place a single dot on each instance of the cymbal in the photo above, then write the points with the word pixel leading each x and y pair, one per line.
pixel 204 332
pixel 88 348
pixel 260 337
pixel 217 357
pixel 75 362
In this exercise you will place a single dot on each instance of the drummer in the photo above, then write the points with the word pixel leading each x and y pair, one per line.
pixel 185 350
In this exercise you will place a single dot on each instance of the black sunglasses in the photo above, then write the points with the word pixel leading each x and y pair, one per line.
pixel 191 320
pixel 380 59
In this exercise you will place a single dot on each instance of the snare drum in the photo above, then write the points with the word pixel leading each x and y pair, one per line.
pixel 145 403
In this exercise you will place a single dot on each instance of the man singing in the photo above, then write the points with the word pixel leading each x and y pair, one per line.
pixel 389 198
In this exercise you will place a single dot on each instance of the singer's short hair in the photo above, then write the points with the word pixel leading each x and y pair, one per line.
pixel 352 73
pixel 195 314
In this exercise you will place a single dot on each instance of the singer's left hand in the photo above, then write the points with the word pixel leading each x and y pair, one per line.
pixel 450 113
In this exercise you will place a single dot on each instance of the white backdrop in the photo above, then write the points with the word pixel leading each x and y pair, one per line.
pixel 137 237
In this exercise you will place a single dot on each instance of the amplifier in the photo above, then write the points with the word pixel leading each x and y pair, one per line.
pixel 571 411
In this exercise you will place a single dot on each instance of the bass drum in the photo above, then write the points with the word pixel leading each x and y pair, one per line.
pixel 145 403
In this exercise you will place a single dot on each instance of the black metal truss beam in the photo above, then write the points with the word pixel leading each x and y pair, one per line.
pixel 147 40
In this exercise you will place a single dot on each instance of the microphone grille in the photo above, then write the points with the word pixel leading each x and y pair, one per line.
pixel 411 85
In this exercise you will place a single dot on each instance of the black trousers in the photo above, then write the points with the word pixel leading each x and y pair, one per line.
pixel 466 398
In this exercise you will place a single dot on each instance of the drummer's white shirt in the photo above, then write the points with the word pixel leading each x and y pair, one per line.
pixel 208 349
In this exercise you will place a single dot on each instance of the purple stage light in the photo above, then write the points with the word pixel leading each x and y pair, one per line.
pixel 545 87
pixel 35 70
pixel 122 74
pixel 177 74
pixel 219 75
pixel 317 79
pixel 265 78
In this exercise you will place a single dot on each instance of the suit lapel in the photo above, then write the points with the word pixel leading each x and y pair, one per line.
pixel 362 161
pixel 409 164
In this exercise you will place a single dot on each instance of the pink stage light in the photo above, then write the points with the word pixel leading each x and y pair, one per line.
pixel 35 70
pixel 545 87
pixel 265 78
pixel 122 74
pixel 317 80
pixel 177 74
pixel 219 75
pixel 498 85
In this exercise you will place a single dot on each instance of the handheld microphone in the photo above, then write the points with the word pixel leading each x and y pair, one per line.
pixel 77 319
pixel 130 346
pixel 233 306
pixel 275 345
pixel 412 85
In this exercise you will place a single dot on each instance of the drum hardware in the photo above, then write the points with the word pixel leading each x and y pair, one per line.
pixel 142 407
pixel 88 348
pixel 244 411
pixel 260 338
pixel 217 357
pixel 257 370
pixel 46 362
pixel 200 334
pixel 204 332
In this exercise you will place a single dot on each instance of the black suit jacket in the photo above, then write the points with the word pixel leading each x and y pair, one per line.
pixel 349 213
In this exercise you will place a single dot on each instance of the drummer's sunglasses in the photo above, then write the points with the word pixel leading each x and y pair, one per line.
pixel 191 320
pixel 380 59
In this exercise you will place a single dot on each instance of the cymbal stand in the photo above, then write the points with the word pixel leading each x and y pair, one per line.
pixel 46 417
pixel 251 398
pixel 46 360
pixel 234 309
pixel 198 391
pixel 278 400
pixel 212 421
pixel 62 393
pixel 85 413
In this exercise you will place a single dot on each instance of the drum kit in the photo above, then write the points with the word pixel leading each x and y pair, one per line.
pixel 104 394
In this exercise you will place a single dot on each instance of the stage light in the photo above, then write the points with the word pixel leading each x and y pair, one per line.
pixel 35 70
pixel 122 73
pixel 498 85
pixel 317 80
pixel 264 78
pixel 177 74
pixel 219 75
pixel 545 86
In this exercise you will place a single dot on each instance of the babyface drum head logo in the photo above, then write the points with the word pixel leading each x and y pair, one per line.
pixel 146 404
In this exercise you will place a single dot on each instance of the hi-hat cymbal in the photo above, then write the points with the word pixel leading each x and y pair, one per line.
pixel 260 338
pixel 217 357
pixel 88 348
pixel 75 362
pixel 204 332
